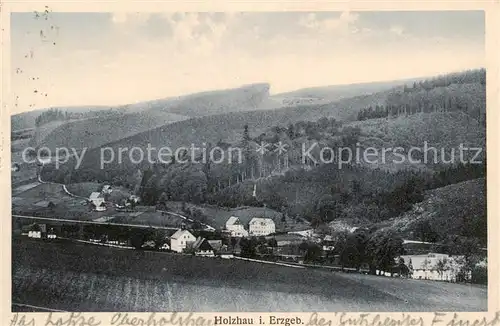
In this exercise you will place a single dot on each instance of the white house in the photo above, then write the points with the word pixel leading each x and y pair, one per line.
pixel 236 228
pixel 180 239
pixel 97 199
pixel 433 266
pixel 261 226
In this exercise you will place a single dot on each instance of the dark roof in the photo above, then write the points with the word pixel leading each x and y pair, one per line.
pixel 202 244
pixel 215 244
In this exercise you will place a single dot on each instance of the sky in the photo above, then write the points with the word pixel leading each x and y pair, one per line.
pixel 67 59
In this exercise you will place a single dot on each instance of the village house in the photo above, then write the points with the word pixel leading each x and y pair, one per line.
pixel 201 247
pixel 221 250
pixel 180 240
pixel 216 245
pixel 433 266
pixel 261 226
pixel 97 200
pixel 236 228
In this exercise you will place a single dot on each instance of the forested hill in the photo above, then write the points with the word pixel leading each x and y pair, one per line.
pixel 322 193
pixel 74 129
pixel 465 92
pixel 467 98
pixel 441 94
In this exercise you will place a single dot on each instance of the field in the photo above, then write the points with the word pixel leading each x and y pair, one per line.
pixel 27 172
pixel 90 278
pixel 35 198
pixel 83 189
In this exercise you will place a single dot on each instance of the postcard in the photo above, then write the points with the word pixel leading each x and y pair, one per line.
pixel 290 164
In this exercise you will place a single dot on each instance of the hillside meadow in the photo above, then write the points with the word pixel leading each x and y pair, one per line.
pixel 94 278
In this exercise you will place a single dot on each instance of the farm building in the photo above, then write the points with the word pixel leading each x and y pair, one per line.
pixel 202 247
pixel 433 266
pixel 261 226
pixel 180 240
pixel 236 228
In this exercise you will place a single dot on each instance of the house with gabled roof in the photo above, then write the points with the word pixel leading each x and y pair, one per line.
pixel 180 240
pixel 216 245
pixel 236 228
pixel 202 247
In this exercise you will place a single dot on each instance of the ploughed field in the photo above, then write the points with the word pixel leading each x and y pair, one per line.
pixel 72 276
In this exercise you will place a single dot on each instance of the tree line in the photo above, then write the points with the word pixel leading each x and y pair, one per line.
pixel 56 114
pixel 50 116
pixel 464 92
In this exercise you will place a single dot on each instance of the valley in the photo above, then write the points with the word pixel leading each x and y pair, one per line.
pixel 328 207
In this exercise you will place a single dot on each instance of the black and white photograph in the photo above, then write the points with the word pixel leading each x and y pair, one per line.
pixel 248 161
